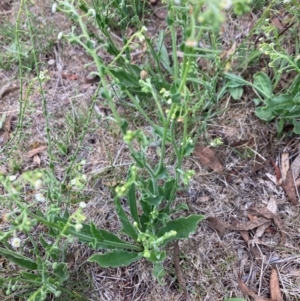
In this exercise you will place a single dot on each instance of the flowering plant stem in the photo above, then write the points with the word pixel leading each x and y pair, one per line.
pixel 154 228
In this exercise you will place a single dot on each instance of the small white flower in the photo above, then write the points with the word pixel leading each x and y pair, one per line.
pixel 84 178
pixel 60 35
pixel 13 191
pixel 73 182
pixel 40 198
pixel 190 141
pixel 38 184
pixel 78 227
pixel 54 7
pixel 169 101
pixel 177 2
pixel 226 4
pixel 286 1
pixel 82 205
pixel 16 242
pixel 12 178
pixel 141 37
pixel 42 75
pixel 91 12
pixel 191 43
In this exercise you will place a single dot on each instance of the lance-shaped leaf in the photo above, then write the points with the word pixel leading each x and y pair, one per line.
pixel 18 259
pixel 168 188
pixel 132 204
pixel 159 272
pixel 184 226
pixel 90 234
pixel 61 271
pixel 263 85
pixel 127 226
pixel 115 258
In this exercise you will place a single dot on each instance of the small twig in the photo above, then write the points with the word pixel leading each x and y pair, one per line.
pixel 179 273
pixel 118 154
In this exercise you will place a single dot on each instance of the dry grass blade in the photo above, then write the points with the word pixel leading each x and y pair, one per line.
pixel 226 54
pixel 295 166
pixel 179 274
pixel 274 286
pixel 208 158
pixel 216 224
pixel 36 151
pixel 289 188
pixel 253 249
pixel 4 137
pixel 277 173
pixel 246 290
pixel 272 205
pixel 285 165
pixel 37 160
pixel 7 124
pixel 266 213
pixel 70 76
pixel 219 225
pixel 259 233
pixel 7 89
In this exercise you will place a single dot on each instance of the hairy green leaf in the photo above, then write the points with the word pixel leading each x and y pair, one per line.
pixel 296 126
pixel 90 234
pixel 263 84
pixel 236 92
pixel 115 258
pixel 158 272
pixel 127 226
pixel 264 113
pixel 168 187
pixel 184 226
pixel 154 200
pixel 30 276
pixel 61 271
pixel 18 259
pixel 131 197
pixel 163 52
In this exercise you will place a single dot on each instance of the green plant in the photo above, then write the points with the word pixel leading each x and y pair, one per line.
pixel 283 106
pixel 270 105
pixel 152 194
pixel 154 218
pixel 154 228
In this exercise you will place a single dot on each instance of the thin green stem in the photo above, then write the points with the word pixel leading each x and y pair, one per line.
pixel 164 138
pixel 186 68
pixel 139 108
